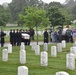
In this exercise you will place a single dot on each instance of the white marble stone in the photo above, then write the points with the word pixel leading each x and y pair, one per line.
pixel 62 73
pixel 37 50
pixel 22 56
pixel 63 44
pixel 22 43
pixel 59 47
pixel 53 51
pixel 44 58
pixel 73 50
pixel 45 46
pixel 4 55
pixel 74 44
pixel 9 48
pixel 22 70
pixel 22 47
pixel 34 46
pixel 70 61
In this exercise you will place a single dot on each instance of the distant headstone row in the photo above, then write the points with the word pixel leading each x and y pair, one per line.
pixel 23 70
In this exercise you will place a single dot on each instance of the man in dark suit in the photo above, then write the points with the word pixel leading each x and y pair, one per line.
pixel 20 37
pixel 11 37
pixel 14 38
pixel 2 38
pixel 45 36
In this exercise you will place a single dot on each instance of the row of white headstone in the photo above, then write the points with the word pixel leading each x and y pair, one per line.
pixel 23 70
pixel 70 58
pixel 70 61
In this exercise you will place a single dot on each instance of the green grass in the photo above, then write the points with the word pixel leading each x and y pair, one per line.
pixel 55 64
pixel 6 28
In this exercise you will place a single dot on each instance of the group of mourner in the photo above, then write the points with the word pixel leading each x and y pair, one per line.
pixel 17 36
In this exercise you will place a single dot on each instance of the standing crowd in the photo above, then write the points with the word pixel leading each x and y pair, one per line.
pixel 18 36
pixel 57 36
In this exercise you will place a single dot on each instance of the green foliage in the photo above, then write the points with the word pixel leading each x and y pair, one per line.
pixel 55 16
pixel 68 16
pixel 4 16
pixel 70 6
pixel 34 16
pixel 2 23
pixel 33 62
pixel 16 6
pixel 74 11
pixel 56 4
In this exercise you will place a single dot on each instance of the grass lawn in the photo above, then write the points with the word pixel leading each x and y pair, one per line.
pixel 55 64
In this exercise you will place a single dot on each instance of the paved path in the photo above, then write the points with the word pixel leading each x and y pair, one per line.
pixel 39 43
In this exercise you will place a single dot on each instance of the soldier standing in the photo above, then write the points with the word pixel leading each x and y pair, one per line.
pixel 14 37
pixel 11 37
pixel 2 38
pixel 45 36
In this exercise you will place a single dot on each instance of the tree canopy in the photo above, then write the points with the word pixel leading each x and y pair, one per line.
pixel 55 16
pixel 34 16
pixel 4 16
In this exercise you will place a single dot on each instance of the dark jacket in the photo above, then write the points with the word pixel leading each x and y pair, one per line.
pixel 45 37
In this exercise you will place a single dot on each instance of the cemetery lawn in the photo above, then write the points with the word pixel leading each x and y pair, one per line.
pixel 55 64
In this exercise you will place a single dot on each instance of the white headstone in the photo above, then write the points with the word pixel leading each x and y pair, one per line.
pixel 22 43
pixel 63 44
pixel 70 61
pixel 34 46
pixel 44 58
pixel 45 47
pixel 22 47
pixel 59 47
pixel 62 73
pixel 37 50
pixel 4 55
pixel 73 50
pixel 53 51
pixel 74 44
pixel 22 56
pixel 22 70
pixel 9 48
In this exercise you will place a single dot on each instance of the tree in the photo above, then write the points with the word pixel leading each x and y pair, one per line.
pixel 68 16
pixel 74 11
pixel 34 17
pixel 56 4
pixel 2 23
pixel 4 16
pixel 55 16
pixel 16 6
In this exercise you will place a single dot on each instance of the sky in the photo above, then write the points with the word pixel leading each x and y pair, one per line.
pixel 47 1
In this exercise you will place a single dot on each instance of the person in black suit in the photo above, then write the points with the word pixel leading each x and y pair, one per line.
pixel 17 37
pixel 45 36
pixel 20 37
pixel 14 38
pixel 11 37
pixel 32 34
pixel 2 38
